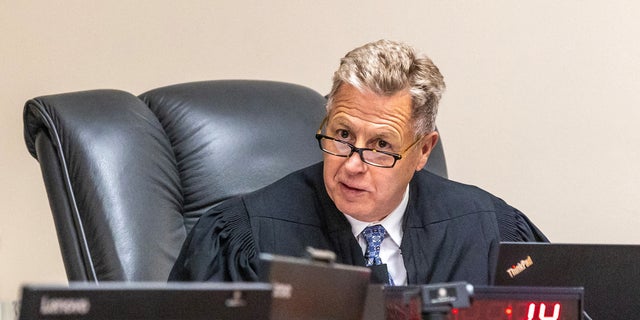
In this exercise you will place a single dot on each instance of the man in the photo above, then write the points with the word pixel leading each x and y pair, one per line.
pixel 368 201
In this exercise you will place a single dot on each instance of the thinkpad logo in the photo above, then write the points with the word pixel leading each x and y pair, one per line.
pixel 520 266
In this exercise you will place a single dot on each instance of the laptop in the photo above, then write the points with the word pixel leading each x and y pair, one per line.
pixel 305 289
pixel 135 300
pixel 609 273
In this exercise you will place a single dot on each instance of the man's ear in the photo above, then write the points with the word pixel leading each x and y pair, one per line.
pixel 426 146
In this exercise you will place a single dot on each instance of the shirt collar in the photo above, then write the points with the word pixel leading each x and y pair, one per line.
pixel 392 222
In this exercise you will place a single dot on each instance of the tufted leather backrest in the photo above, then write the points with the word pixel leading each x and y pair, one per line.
pixel 127 177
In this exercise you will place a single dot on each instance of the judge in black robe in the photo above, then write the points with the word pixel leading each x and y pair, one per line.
pixel 451 231
pixel 377 137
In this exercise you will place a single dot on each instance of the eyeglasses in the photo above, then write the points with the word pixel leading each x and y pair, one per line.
pixel 377 158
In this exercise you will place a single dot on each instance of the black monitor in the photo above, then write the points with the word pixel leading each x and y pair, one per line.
pixel 311 289
pixel 607 272
pixel 135 300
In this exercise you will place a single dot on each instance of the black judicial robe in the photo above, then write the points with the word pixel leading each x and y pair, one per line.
pixel 451 231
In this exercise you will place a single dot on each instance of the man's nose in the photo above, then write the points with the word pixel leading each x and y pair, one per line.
pixel 354 162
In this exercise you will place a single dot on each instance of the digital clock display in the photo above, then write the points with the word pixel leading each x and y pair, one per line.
pixel 522 303
pixel 510 309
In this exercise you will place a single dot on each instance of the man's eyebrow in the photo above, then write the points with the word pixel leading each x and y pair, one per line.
pixel 341 122
pixel 387 136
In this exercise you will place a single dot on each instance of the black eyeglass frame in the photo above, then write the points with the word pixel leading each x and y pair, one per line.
pixel 396 156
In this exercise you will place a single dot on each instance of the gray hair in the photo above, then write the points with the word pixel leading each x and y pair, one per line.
pixel 387 67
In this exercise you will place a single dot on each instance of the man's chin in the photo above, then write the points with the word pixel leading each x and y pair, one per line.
pixel 358 214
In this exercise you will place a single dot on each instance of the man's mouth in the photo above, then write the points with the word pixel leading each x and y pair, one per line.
pixel 351 188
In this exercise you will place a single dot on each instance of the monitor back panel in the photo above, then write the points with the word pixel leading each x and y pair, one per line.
pixel 224 301
pixel 303 289
pixel 608 273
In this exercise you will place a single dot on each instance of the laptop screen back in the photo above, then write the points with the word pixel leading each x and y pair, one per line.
pixel 305 289
pixel 133 300
pixel 609 273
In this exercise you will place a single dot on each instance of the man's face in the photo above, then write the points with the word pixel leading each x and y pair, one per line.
pixel 367 120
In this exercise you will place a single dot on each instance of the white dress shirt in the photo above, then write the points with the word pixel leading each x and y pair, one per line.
pixel 390 248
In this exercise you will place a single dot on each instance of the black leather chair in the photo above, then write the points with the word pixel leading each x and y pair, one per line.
pixel 127 177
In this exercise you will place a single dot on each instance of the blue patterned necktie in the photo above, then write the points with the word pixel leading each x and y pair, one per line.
pixel 374 236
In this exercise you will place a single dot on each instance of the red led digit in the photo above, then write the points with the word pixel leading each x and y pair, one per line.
pixel 556 312
pixel 531 311
pixel 508 311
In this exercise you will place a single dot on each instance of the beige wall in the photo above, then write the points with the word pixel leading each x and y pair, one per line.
pixel 541 108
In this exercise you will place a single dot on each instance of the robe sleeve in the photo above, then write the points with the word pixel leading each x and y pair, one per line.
pixel 220 247
pixel 514 225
